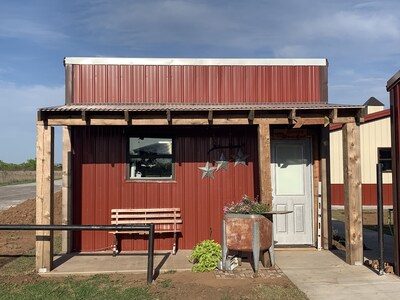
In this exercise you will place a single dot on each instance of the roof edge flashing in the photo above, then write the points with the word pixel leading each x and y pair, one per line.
pixel 393 80
pixel 197 61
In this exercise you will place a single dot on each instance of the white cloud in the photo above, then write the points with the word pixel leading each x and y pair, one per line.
pixel 29 30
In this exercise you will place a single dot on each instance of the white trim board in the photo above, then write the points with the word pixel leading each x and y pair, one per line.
pixel 197 61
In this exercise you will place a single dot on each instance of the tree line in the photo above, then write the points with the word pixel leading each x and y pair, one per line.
pixel 29 165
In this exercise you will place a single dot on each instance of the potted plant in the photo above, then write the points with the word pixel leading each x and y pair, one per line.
pixel 246 229
pixel 205 256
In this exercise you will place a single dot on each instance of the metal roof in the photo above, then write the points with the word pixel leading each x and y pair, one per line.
pixel 197 61
pixel 194 107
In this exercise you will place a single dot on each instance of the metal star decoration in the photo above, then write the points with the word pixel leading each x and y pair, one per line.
pixel 222 163
pixel 240 158
pixel 207 171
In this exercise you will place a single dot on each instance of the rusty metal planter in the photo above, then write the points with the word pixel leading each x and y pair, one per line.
pixel 247 233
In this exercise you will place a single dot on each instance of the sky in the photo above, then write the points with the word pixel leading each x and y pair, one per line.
pixel 360 39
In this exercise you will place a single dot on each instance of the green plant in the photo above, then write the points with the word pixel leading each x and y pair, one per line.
pixel 246 205
pixel 205 256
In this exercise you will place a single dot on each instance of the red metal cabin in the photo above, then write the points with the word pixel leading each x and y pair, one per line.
pixel 144 133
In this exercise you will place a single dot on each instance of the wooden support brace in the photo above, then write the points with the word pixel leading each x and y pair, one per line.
pixel 298 122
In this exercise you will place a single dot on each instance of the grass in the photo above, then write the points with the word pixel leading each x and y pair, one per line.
pixel 94 287
pixel 276 292
pixel 19 177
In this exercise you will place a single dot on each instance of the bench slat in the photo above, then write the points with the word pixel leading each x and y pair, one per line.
pixel 170 221
pixel 142 232
pixel 144 216
pixel 134 210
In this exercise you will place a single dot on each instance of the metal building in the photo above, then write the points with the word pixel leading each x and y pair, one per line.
pixel 145 133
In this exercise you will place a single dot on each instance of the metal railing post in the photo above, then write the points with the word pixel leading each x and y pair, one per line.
pixel 150 258
pixel 380 216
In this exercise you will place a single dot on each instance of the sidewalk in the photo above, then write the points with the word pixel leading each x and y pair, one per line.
pixel 323 275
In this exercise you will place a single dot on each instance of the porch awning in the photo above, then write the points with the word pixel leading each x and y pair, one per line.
pixel 199 114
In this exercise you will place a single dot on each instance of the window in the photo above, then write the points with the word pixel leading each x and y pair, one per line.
pixel 385 158
pixel 150 158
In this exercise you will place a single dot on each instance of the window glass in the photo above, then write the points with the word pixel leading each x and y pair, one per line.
pixel 150 158
pixel 385 158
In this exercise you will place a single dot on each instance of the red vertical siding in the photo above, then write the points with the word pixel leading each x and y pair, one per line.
pixel 195 84
pixel 100 185
pixel 369 194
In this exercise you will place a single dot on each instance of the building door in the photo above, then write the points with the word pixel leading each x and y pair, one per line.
pixel 291 173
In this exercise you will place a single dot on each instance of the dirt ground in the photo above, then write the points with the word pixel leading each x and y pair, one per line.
pixel 170 285
pixel 17 243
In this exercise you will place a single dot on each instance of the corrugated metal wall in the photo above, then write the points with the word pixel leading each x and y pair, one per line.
pixel 393 87
pixel 368 191
pixel 99 157
pixel 197 84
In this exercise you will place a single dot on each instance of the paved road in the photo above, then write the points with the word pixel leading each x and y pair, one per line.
pixel 12 195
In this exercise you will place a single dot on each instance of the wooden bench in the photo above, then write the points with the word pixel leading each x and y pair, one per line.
pixel 165 220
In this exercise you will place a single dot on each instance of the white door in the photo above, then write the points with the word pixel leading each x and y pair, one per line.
pixel 291 173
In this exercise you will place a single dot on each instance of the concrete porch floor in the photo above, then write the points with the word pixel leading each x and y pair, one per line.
pixel 125 262
pixel 135 262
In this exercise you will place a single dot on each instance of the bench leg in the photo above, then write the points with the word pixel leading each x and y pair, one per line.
pixel 115 246
pixel 174 245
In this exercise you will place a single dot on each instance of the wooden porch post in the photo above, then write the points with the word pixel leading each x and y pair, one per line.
pixel 352 194
pixel 44 196
pixel 264 162
pixel 326 190
pixel 66 188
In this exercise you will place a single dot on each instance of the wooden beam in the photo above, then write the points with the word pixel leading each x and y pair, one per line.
pixel 333 115
pixel 127 117
pixel 292 116
pixel 264 163
pixel 342 120
pixel 210 117
pixel 120 121
pixel 360 116
pixel 84 116
pixel 251 115
pixel 44 196
pixel 352 194
pixel 169 118
pixel 326 190
pixel 66 188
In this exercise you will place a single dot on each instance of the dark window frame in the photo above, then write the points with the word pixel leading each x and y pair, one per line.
pixel 386 168
pixel 130 157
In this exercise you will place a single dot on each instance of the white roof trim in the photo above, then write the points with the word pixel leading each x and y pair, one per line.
pixel 197 61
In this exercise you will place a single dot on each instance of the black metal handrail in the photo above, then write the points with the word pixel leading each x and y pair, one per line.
pixel 146 227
